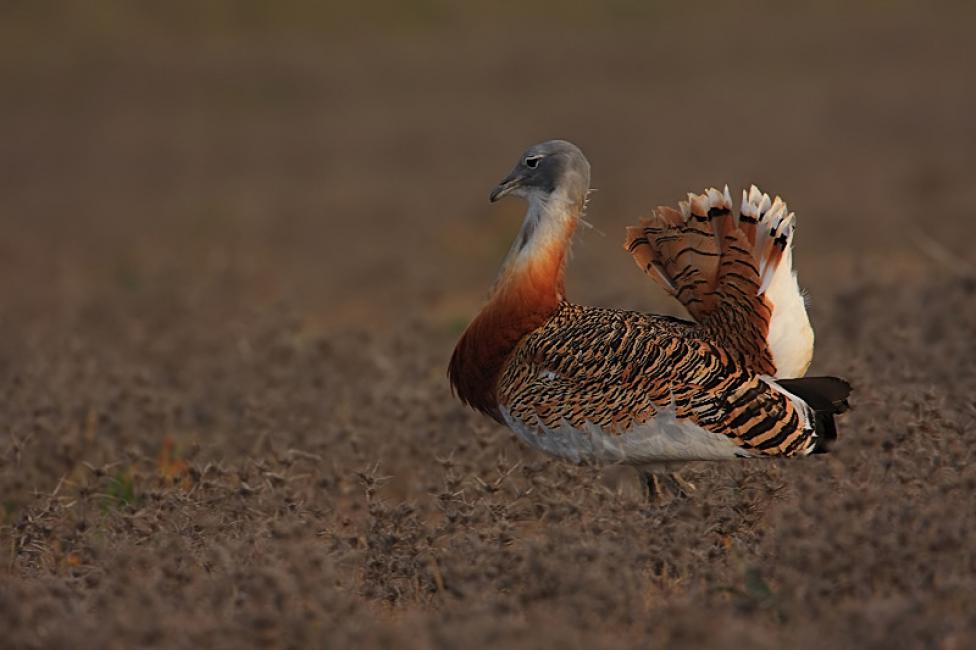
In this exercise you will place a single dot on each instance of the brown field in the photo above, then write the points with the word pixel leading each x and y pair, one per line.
pixel 238 244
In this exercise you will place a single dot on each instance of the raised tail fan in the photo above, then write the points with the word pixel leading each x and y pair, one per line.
pixel 733 273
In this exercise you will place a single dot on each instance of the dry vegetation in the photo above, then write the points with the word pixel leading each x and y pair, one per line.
pixel 237 251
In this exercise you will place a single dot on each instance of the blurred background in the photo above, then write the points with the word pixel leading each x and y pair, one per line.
pixel 337 156
pixel 240 239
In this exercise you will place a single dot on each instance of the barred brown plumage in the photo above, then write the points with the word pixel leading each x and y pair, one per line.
pixel 586 383
pixel 616 369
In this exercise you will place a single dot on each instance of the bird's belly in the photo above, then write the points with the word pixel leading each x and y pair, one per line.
pixel 661 438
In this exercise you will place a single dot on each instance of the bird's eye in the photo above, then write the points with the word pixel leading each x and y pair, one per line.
pixel 532 161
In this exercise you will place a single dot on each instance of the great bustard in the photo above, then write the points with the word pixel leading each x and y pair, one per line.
pixel 607 385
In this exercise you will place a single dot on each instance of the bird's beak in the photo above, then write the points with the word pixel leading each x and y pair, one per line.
pixel 511 182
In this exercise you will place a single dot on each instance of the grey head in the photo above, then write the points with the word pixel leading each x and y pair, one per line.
pixel 552 168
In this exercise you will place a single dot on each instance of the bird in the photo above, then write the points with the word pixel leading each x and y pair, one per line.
pixel 598 385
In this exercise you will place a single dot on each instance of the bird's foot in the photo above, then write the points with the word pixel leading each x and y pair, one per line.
pixel 683 487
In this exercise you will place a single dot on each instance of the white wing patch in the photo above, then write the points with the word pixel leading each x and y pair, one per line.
pixel 790 336
pixel 662 438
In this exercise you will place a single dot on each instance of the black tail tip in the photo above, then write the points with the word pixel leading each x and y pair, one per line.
pixel 827 396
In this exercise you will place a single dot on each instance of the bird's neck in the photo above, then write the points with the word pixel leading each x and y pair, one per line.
pixel 529 288
pixel 535 267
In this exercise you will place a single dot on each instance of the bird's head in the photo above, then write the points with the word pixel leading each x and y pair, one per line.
pixel 552 169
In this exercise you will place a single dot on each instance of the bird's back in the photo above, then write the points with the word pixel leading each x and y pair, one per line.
pixel 604 384
pixel 587 364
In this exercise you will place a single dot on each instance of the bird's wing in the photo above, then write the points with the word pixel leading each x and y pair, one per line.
pixel 734 274
pixel 622 375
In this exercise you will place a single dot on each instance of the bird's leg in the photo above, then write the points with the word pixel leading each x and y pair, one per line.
pixel 662 483
pixel 654 490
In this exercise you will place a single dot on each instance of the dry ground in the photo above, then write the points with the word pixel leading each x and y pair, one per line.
pixel 238 245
